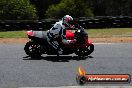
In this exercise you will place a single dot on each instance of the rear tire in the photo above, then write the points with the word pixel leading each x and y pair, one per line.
pixel 33 49
pixel 85 52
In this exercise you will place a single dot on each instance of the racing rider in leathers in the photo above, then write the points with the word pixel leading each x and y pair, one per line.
pixel 59 30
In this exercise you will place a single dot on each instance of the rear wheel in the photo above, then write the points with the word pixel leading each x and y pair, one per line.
pixel 33 49
pixel 86 51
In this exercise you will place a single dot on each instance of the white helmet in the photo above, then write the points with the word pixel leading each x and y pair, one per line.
pixel 67 20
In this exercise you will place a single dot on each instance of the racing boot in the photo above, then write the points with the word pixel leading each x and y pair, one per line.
pixel 60 51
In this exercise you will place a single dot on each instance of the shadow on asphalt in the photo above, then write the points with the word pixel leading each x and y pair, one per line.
pixel 57 58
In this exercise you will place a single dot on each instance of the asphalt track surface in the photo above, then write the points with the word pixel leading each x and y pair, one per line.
pixel 18 70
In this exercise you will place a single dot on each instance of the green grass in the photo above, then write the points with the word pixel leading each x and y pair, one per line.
pixel 13 34
pixel 112 32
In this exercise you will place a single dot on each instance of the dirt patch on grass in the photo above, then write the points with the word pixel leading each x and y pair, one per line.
pixel 95 40
pixel 113 40
pixel 13 40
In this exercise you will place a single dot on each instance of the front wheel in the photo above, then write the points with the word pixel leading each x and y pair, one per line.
pixel 33 49
pixel 86 51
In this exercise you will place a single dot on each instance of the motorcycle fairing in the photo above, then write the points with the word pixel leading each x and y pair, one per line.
pixel 69 35
pixel 89 42
pixel 39 34
pixel 30 33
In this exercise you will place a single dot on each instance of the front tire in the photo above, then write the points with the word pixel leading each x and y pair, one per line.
pixel 33 49
pixel 85 52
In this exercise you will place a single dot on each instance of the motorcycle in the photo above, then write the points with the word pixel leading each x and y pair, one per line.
pixel 79 44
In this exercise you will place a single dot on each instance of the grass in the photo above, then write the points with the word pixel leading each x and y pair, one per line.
pixel 13 34
pixel 111 32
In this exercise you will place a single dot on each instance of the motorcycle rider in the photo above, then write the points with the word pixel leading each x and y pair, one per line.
pixel 59 30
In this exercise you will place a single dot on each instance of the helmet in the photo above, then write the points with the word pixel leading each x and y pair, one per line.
pixel 67 20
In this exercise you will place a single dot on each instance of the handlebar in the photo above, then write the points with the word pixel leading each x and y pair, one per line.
pixel 79 29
